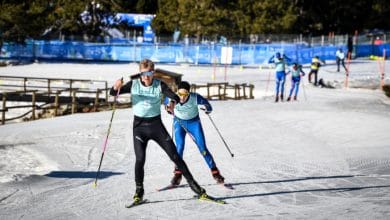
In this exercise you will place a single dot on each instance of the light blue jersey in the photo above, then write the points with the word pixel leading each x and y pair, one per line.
pixel 146 100
pixel 189 109
pixel 280 64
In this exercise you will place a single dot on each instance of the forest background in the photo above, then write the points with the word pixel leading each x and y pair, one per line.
pixel 237 19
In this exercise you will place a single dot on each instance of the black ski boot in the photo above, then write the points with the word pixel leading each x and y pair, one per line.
pixel 196 188
pixel 217 175
pixel 289 98
pixel 295 98
pixel 281 97
pixel 139 193
pixel 276 98
pixel 176 179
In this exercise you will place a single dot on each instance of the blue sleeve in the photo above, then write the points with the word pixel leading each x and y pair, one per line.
pixel 271 60
pixel 202 101
pixel 303 73
pixel 288 59
pixel 166 100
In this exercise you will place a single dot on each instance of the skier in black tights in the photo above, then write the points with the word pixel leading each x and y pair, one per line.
pixel 146 94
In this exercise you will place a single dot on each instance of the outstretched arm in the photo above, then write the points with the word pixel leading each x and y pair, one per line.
pixel 271 59
pixel 169 93
pixel 202 101
pixel 123 89
pixel 303 73
pixel 287 59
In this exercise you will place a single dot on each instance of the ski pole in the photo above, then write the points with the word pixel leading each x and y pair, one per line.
pixel 106 140
pixel 304 91
pixel 266 88
pixel 220 135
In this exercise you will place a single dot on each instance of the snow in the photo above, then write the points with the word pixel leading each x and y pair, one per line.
pixel 325 156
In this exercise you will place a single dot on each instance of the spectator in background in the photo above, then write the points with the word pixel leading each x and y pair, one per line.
pixel 340 57
pixel 315 66
pixel 378 41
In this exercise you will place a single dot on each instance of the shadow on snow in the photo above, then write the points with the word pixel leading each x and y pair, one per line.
pixel 81 174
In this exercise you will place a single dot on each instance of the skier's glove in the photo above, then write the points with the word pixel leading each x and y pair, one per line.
pixel 205 110
pixel 169 108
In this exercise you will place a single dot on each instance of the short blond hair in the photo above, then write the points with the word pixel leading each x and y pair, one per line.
pixel 147 64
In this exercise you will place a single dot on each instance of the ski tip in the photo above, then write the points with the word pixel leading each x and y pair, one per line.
pixel 228 186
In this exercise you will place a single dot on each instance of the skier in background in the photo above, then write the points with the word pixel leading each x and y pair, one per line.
pixel 186 120
pixel 280 68
pixel 296 74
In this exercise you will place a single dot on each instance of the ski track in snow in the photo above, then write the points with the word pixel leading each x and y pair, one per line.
pixel 323 156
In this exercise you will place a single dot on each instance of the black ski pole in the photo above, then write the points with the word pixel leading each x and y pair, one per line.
pixel 105 142
pixel 220 135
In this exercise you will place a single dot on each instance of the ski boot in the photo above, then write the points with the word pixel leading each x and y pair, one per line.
pixel 276 98
pixel 196 188
pixel 176 179
pixel 217 175
pixel 281 97
pixel 295 98
pixel 289 98
pixel 139 194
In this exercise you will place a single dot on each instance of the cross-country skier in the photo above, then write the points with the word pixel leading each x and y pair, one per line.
pixel 280 68
pixel 296 73
pixel 186 120
pixel 146 93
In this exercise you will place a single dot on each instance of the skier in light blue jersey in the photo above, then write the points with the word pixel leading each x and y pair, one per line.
pixel 280 68
pixel 186 120
pixel 146 94
pixel 296 74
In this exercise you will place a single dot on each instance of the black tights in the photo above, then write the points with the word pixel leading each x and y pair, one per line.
pixel 145 129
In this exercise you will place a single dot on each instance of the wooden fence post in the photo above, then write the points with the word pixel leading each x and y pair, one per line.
pixel 48 87
pixel 70 87
pixel 96 100
pixel 4 106
pixel 56 105
pixel 208 91
pixel 251 87
pixel 237 91
pixel 106 92
pixel 243 90
pixel 33 105
pixel 224 90
pixel 24 84
pixel 74 102
pixel 219 92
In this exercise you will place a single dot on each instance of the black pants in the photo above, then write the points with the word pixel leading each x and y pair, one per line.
pixel 338 61
pixel 145 129
pixel 315 72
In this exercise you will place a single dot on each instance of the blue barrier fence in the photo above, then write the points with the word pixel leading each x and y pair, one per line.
pixel 242 54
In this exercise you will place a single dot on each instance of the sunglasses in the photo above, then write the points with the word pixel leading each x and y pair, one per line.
pixel 147 73
pixel 183 93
